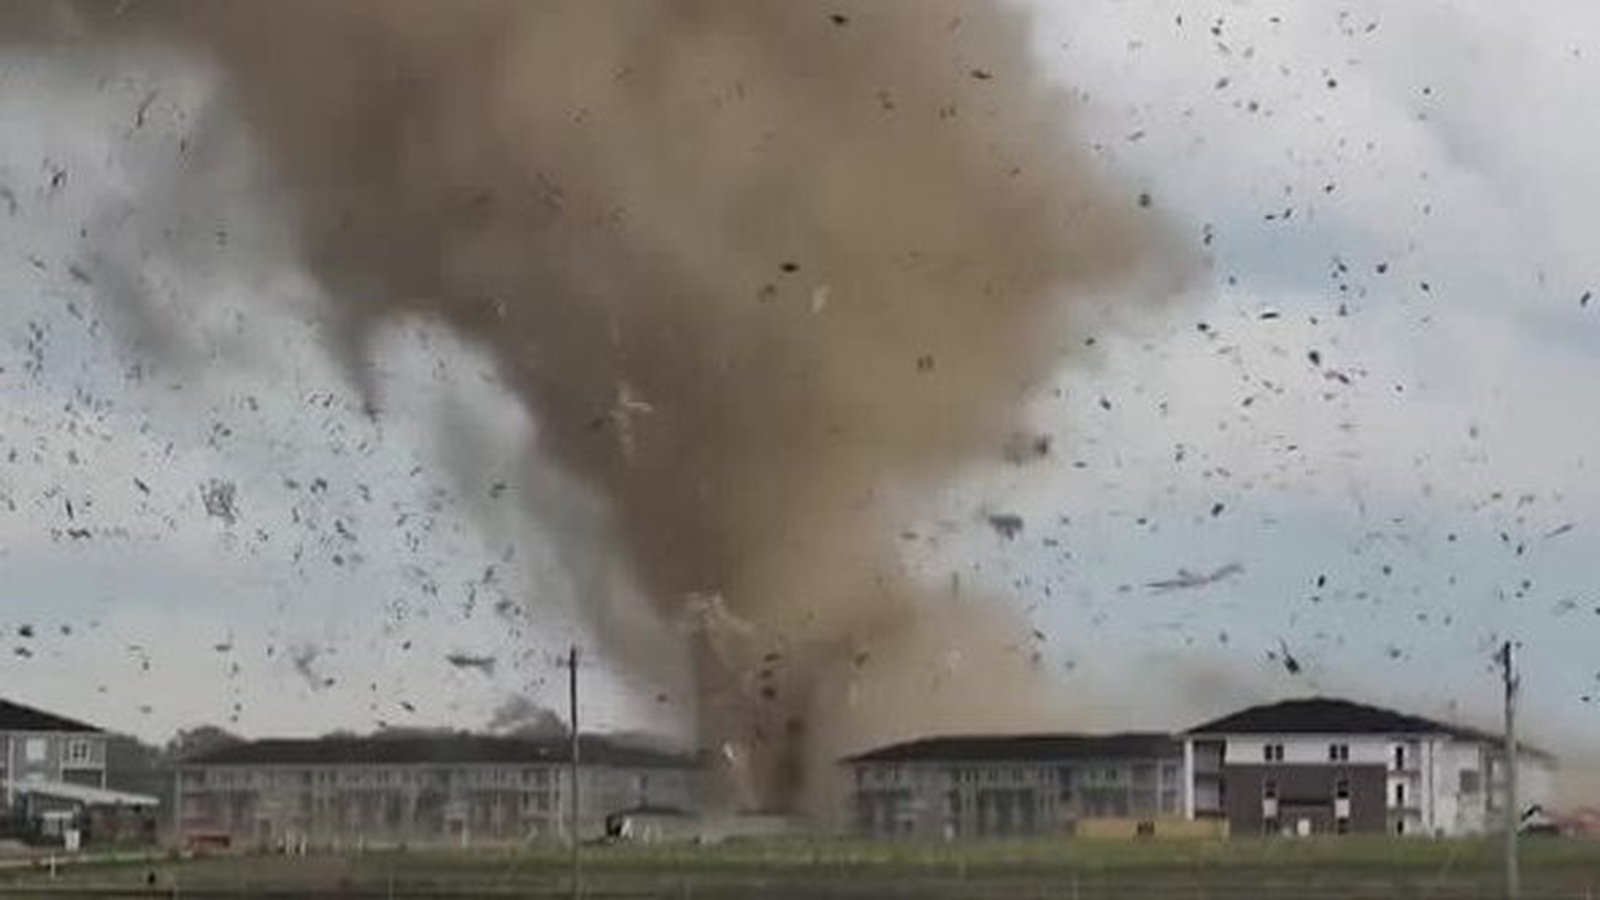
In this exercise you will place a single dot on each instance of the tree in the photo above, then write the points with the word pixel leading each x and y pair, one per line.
pixel 190 742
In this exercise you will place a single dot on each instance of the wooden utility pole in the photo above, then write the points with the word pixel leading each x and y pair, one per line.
pixel 572 772
pixel 1508 673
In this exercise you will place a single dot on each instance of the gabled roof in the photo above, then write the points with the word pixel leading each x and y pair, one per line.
pixel 447 749
pixel 17 717
pixel 1026 748
pixel 1330 715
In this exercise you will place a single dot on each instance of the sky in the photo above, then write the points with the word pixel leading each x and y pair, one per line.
pixel 1360 441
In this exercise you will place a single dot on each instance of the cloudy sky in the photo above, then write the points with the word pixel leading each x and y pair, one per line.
pixel 1362 442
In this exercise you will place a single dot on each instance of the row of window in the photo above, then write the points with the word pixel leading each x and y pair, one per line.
pixel 1138 773
pixel 1336 753
pixel 1341 789
pixel 37 750
pixel 378 777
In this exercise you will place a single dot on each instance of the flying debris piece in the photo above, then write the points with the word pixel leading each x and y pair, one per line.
pixel 25 631
pixel 220 499
pixel 1008 525
pixel 484 664
pixel 1186 579
pixel 1289 662
pixel 1558 530
pixel 1021 448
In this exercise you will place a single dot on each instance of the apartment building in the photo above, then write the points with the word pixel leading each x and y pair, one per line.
pixel 53 780
pixel 1014 785
pixel 1328 766
pixel 456 788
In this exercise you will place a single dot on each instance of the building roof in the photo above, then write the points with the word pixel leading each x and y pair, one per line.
pixel 437 749
pixel 80 793
pixel 1330 715
pixel 17 717
pixel 1025 747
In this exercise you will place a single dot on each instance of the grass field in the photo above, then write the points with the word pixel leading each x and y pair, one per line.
pixel 1079 869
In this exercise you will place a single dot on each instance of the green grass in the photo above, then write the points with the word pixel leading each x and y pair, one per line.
pixel 1335 867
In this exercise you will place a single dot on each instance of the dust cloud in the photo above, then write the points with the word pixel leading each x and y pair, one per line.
pixel 764 272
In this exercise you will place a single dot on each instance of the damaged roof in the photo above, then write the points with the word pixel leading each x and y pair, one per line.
pixel 1026 747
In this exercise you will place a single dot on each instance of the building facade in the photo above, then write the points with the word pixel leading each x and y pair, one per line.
pixel 53 781
pixel 1327 766
pixel 38 747
pixel 1002 786
pixel 455 788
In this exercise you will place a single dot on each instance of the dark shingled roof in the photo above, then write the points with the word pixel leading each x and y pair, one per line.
pixel 1026 747
pixel 16 717
pixel 449 749
pixel 1329 715
pixel 1325 715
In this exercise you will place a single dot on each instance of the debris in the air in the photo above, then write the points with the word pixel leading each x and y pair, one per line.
pixel 220 499
pixel 1021 447
pixel 1009 525
pixel 925 362
pixel 1559 530
pixel 1144 199
pixel 839 19
pixel 484 664
pixel 144 107
pixel 1217 508
pixel 25 631
pixel 1186 579
pixel 1289 661
pixel 981 74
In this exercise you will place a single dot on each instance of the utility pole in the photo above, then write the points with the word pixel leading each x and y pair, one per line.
pixel 1508 673
pixel 572 772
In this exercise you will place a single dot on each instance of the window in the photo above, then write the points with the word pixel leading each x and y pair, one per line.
pixel 1341 825
pixel 1399 757
pixel 1272 752
pixel 1341 789
pixel 1471 781
pixel 34 749
pixel 1269 789
pixel 78 752
pixel 1338 752
pixel 1399 826
pixel 1400 793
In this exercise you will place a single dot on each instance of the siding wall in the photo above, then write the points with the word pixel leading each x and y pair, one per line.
pixel 54 761
pixel 1303 791
pixel 996 799
pixel 1435 785
pixel 454 803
